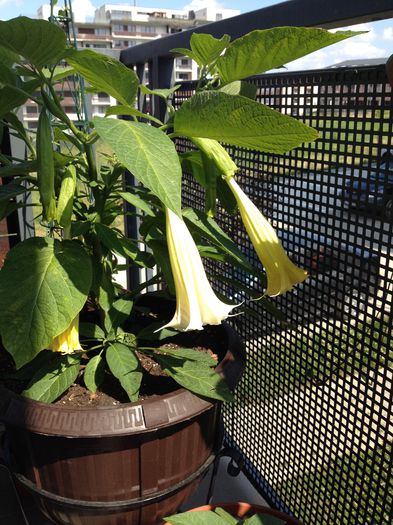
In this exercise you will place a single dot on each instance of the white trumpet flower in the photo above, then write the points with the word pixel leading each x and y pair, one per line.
pixel 196 302
pixel 282 273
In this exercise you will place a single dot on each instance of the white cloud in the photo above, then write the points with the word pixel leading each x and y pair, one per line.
pixel 388 33
pixel 194 5
pixel 82 9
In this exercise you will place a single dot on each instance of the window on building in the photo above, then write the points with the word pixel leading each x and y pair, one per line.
pixel 183 76
pixel 86 30
pixel 218 16
pixel 103 31
pixel 31 110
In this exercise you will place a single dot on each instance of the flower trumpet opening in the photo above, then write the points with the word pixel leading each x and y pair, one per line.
pixel 282 274
pixel 196 302
pixel 68 341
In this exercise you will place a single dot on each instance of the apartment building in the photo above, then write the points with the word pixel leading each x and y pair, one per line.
pixel 118 26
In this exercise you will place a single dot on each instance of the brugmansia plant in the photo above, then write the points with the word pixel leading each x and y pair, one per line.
pixel 78 191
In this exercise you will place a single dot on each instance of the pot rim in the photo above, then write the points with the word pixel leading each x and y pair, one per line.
pixel 127 418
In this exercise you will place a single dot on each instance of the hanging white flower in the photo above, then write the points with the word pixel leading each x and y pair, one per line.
pixel 282 273
pixel 196 302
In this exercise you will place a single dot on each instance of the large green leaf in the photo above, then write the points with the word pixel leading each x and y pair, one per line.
pixel 194 376
pixel 266 49
pixel 125 366
pixel 211 231
pixel 203 517
pixel 135 200
pixel 94 373
pixel 106 74
pixel 118 314
pixel 43 285
pixel 189 353
pixel 7 76
pixel 14 170
pixel 53 378
pixel 10 98
pixel 7 57
pixel 121 245
pixel 8 191
pixel 239 121
pixel 206 49
pixel 263 519
pixel 39 41
pixel 148 154
pixel 133 112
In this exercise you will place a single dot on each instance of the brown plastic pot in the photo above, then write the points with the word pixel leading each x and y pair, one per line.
pixel 131 464
pixel 241 510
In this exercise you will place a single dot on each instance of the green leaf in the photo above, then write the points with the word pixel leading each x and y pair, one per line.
pixel 240 87
pixel 6 208
pixel 133 112
pixel 54 378
pixel 211 231
pixel 43 285
pixel 119 244
pixel 18 126
pixel 228 518
pixel 14 170
pixel 94 373
pixel 266 49
pixel 106 74
pixel 118 314
pixel 183 51
pixel 125 366
pixel 10 98
pixel 189 353
pixel 7 76
pixel 91 331
pixel 7 57
pixel 153 332
pixel 148 154
pixel 163 93
pixel 9 191
pixel 206 49
pixel 226 197
pixel 39 41
pixel 201 380
pixel 136 201
pixel 26 372
pixel 263 519
pixel 239 121
pixel 191 162
pixel 203 517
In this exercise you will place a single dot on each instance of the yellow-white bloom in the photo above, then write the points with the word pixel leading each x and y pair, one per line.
pixel 282 273
pixel 196 302
pixel 68 341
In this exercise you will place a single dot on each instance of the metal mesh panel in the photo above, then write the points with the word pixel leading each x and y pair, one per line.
pixel 314 411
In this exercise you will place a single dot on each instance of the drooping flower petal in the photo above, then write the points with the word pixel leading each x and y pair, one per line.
pixel 68 341
pixel 282 273
pixel 196 302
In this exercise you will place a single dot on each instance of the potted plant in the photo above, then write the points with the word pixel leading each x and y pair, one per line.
pixel 64 322
pixel 232 513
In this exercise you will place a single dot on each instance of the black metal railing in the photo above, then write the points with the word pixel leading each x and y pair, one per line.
pixel 314 412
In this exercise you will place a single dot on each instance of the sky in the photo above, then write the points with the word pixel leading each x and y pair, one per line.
pixel 376 43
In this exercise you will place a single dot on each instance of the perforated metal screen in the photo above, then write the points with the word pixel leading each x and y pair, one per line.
pixel 314 410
